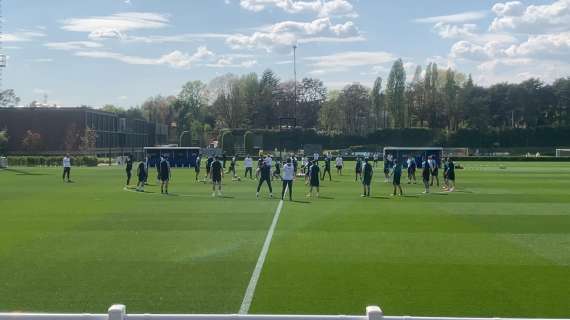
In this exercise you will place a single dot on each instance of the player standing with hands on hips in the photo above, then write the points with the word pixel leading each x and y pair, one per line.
pixel 288 177
pixel 66 167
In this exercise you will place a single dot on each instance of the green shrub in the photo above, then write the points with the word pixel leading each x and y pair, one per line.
pixel 50 161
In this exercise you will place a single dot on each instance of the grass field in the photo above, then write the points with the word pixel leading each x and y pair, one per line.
pixel 498 247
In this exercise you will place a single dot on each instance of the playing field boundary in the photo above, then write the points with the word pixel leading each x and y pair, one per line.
pixel 250 291
pixel 119 312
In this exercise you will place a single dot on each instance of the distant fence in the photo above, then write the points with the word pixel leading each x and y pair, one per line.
pixel 118 312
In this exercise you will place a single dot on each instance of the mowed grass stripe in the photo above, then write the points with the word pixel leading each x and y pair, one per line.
pixel 495 248
pixel 90 244
pixel 496 256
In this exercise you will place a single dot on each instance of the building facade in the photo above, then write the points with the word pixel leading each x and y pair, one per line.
pixel 78 131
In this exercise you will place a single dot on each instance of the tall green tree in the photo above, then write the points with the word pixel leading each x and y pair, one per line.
pixel 354 104
pixel 395 94
pixel 377 100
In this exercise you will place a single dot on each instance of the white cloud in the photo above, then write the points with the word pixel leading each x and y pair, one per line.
pixel 73 45
pixel 180 38
pixel 281 42
pixel 545 45
pixel 175 59
pixel 323 8
pixel 21 36
pixel 454 18
pixel 447 31
pixel 350 59
pixel 282 35
pixel 533 19
pixel 230 62
pixel 43 60
pixel 116 25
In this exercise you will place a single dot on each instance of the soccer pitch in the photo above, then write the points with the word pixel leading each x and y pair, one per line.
pixel 500 246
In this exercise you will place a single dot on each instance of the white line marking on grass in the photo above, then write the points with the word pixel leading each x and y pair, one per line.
pixel 250 291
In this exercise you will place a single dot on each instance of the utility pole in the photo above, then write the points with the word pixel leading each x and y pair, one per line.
pixel 295 79
pixel 2 55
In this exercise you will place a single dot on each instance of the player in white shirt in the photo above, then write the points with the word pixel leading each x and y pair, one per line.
pixel 66 168
pixel 248 165
pixel 339 165
pixel 288 177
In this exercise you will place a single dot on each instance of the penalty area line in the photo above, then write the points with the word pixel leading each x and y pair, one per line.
pixel 250 291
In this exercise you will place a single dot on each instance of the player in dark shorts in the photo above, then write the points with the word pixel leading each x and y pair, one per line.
pixel 209 166
pixel 397 177
pixel 412 170
pixel 232 168
pixel 164 169
pixel 425 175
pixel 141 174
pixel 295 164
pixel 277 172
pixel 314 175
pixel 358 169
pixel 387 166
pixel 197 166
pixel 129 169
pixel 327 168
pixel 450 175
pixel 445 182
pixel 216 174
pixel 264 176
pixel 367 178
pixel 434 170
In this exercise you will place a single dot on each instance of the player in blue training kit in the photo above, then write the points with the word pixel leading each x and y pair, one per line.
pixel 426 174
pixel 450 175
pixel 396 177
pixel 197 166
pixel 216 174
pixel 141 174
pixel 164 175
pixel 367 178
pixel 314 176
pixel 264 176
pixel 358 170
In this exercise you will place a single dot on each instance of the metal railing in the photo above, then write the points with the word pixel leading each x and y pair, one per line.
pixel 118 312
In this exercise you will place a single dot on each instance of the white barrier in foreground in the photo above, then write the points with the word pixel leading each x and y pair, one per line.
pixel 118 312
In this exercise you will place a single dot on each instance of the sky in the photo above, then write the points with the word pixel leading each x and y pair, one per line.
pixel 96 52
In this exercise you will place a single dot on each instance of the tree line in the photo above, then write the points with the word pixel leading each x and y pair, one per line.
pixel 430 98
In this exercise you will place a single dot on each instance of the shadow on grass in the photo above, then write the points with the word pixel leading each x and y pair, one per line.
pixel 378 197
pixel 24 173
pixel 299 201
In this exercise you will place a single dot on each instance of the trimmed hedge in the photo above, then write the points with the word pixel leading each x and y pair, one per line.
pixel 50 161
pixel 517 138
pixel 513 158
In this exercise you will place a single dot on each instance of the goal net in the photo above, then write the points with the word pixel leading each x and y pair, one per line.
pixel 418 154
pixel 562 153
pixel 456 152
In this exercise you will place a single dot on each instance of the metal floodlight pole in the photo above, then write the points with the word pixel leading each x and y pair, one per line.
pixel 295 79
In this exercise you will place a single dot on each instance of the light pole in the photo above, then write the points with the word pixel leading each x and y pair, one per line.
pixel 182 135
pixel 295 79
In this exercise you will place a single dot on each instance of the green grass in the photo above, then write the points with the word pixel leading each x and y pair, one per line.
pixel 498 247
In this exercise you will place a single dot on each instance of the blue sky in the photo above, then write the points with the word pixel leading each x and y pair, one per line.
pixel 96 52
